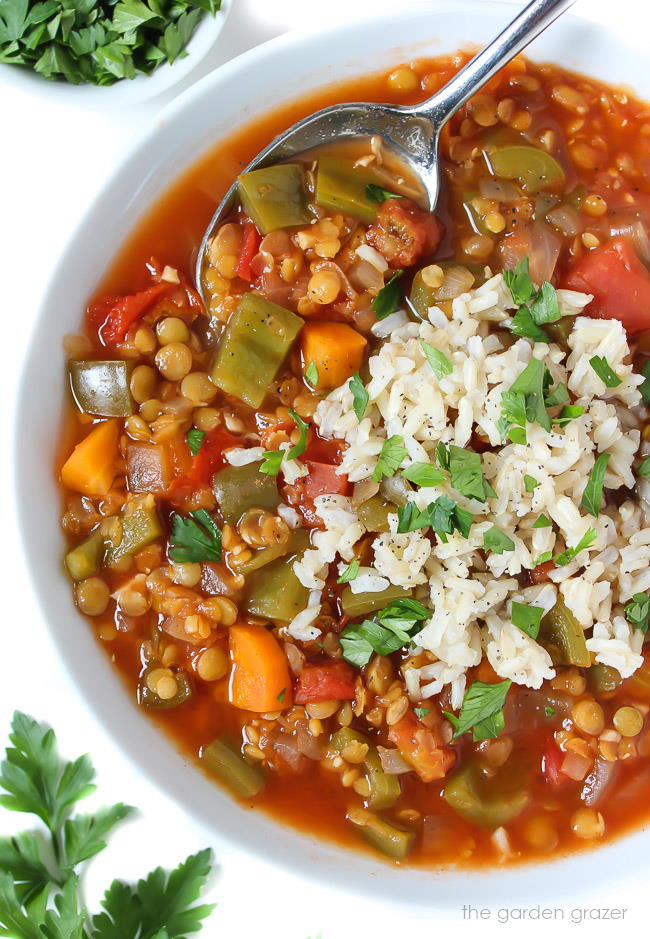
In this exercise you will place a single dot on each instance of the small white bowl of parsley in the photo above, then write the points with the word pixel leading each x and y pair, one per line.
pixel 116 51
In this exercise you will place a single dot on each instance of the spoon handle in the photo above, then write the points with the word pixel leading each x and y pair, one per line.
pixel 525 27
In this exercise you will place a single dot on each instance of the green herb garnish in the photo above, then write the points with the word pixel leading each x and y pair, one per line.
pixel 40 896
pixel 423 474
pixel 605 372
pixel 311 374
pixel 644 387
pixel 440 364
pixel 421 712
pixel 99 43
pixel 444 516
pixel 271 462
pixel 530 483
pixel 637 611
pixel 482 710
pixel 195 539
pixel 543 522
pixel 549 711
pixel 643 469
pixel 360 396
pixel 195 440
pixel 527 618
pixel 571 553
pixel 392 453
pixel 388 298
pixel 536 307
pixel 392 629
pixel 568 413
pixel 467 476
pixel 349 573
pixel 298 448
pixel 497 542
pixel 378 194
pixel 593 494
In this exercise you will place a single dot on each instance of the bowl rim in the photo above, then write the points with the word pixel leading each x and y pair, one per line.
pixel 125 92
pixel 321 861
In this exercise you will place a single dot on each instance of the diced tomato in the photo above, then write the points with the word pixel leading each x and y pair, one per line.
pixel 250 246
pixel 335 681
pixel 420 747
pixel 320 450
pixel 619 282
pixel 551 762
pixel 113 316
pixel 403 232
pixel 540 574
pixel 320 480
pixel 207 461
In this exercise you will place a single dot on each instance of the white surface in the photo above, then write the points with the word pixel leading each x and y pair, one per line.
pixel 53 159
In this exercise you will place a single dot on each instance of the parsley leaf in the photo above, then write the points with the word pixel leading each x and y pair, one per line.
pixel 593 494
pixel 637 611
pixel 559 395
pixel 524 325
pixel 443 515
pixel 605 372
pixel 568 413
pixel 84 835
pixel 195 539
pixel 360 396
pixel 421 712
pixel 195 440
pixel 440 364
pixel 349 573
pixel 519 283
pixel 388 298
pixel 311 374
pixel 643 469
pixel 298 448
pixel 644 387
pixel 467 476
pixel 378 194
pixel 392 629
pixel 280 696
pixel 545 307
pixel 549 711
pixel 571 553
pixel 482 710
pixel 530 483
pixel 423 474
pixel 533 384
pixel 442 455
pixel 527 618
pixel 497 542
pixel 536 307
pixel 392 453
pixel 543 522
pixel 271 462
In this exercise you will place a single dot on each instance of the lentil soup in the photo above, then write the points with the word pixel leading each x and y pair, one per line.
pixel 367 534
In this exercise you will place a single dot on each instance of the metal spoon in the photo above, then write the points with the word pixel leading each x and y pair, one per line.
pixel 412 133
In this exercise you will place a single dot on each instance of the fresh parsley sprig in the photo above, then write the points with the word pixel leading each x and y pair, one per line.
pixel 390 630
pixel 481 711
pixel 444 515
pixel 392 453
pixel 536 307
pixel 195 539
pixel 592 497
pixel 637 611
pixel 605 372
pixel 39 888
pixel 272 460
pixel 360 396
pixel 388 298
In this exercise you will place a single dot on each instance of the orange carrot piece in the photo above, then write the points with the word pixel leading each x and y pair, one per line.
pixel 335 349
pixel 90 468
pixel 259 680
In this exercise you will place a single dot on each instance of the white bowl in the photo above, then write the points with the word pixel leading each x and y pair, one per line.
pixel 127 92
pixel 229 97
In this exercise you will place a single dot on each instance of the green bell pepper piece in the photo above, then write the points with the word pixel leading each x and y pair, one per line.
pixel 469 795
pixel 565 637
pixel 535 169
pixel 385 789
pixel 275 592
pixel 86 558
pixel 296 543
pixel 394 841
pixel 102 387
pixel 275 197
pixel 360 604
pixel 253 346
pixel 148 698
pixel 374 513
pixel 560 330
pixel 225 762
pixel 603 678
pixel 240 488
pixel 140 527
pixel 341 187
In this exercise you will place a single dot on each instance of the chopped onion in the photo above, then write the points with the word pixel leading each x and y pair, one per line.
pixel 599 781
pixel 499 189
pixel 395 489
pixel 545 246
pixel 308 745
pixel 365 276
pixel 276 243
pixel 635 231
pixel 566 218
pixel 288 750
pixel 392 762
pixel 147 467
pixel 295 657
pixel 575 765
pixel 457 280
pixel 175 626
pixel 363 490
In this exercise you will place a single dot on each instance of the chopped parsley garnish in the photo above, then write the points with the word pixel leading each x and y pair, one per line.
pixel 273 458
pixel 421 712
pixel 195 539
pixel 423 474
pixel 527 618
pixel 378 194
pixel 349 573
pixel 440 364
pixel 549 711
pixel 559 395
pixel 443 515
pixel 392 453
pixel 388 298
pixel 311 374
pixel 637 611
pixel 543 522
pixel 530 483
pixel 270 464
pixel 88 42
pixel 568 413
pixel 195 440
pixel 280 696
pixel 593 494
pixel 481 711
pixel 533 383
pixel 497 542
pixel 360 396
pixel 571 553
pixel 644 387
pixel 643 469
pixel 390 630
pixel 442 455
pixel 536 307
pixel 513 416
pixel 605 372
pixel 467 476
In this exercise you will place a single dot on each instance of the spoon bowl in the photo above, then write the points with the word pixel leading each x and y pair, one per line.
pixel 411 133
